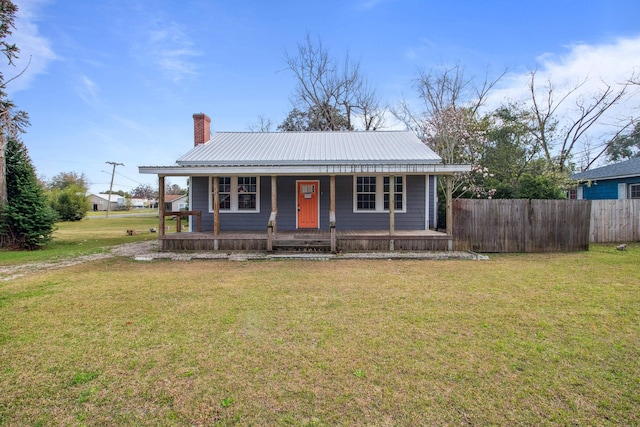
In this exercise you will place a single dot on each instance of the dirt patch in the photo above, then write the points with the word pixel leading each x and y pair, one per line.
pixel 148 251
pixel 11 272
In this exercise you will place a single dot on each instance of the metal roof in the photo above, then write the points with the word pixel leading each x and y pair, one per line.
pixel 308 153
pixel 318 148
pixel 617 170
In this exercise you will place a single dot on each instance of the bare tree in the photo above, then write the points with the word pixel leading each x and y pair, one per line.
pixel 263 124
pixel 439 90
pixel 327 86
pixel 449 122
pixel 560 134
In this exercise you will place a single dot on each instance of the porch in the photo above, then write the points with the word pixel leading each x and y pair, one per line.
pixel 308 240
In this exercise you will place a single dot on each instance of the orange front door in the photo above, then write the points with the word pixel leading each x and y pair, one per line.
pixel 308 204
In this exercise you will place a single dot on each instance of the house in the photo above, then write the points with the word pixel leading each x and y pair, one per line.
pixel 616 181
pixel 138 203
pixel 176 202
pixel 100 202
pixel 346 190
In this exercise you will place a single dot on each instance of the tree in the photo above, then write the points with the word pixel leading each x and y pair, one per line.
pixel 334 94
pixel 262 125
pixel 560 134
pixel 68 195
pixel 12 121
pixel 624 146
pixel 144 191
pixel 118 192
pixel 510 150
pixel 70 202
pixel 68 179
pixel 441 89
pixel 539 187
pixel 174 188
pixel 314 120
pixel 28 220
pixel 449 122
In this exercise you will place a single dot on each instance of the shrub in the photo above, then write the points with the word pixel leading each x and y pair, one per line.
pixel 539 187
pixel 70 203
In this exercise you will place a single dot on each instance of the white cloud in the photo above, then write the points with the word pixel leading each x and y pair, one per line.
pixel 87 90
pixel 370 4
pixel 171 49
pixel 35 54
pixel 595 65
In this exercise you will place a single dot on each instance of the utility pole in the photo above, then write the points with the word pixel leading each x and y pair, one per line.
pixel 114 164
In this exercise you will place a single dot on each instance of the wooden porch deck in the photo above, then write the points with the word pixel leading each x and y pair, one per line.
pixel 346 240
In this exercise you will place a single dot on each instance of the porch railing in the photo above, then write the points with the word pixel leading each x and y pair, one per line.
pixel 180 214
pixel 272 230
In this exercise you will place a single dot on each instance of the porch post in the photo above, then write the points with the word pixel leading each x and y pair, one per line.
pixel 392 210
pixel 392 205
pixel 427 205
pixel 449 207
pixel 161 205
pixel 271 224
pixel 274 199
pixel 216 210
pixel 332 212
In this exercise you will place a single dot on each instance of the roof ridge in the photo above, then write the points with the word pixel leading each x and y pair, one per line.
pixel 313 131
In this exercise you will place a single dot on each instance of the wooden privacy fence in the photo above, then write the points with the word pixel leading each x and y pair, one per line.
pixel 520 225
pixel 615 221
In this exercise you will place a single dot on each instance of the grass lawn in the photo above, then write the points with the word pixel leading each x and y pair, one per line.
pixel 517 340
pixel 90 235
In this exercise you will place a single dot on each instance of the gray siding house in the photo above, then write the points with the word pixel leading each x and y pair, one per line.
pixel 350 190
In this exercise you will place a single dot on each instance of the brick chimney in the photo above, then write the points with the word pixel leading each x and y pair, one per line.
pixel 201 129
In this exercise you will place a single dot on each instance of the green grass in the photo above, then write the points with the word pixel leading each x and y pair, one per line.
pixel 90 235
pixel 550 339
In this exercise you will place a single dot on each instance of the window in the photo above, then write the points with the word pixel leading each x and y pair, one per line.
pixel 397 194
pixel 572 194
pixel 634 191
pixel 247 193
pixel 372 193
pixel 237 193
pixel 224 192
pixel 366 192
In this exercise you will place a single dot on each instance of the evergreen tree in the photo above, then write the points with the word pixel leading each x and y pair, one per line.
pixel 28 220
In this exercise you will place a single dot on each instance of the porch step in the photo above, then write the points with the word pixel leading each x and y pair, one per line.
pixel 299 245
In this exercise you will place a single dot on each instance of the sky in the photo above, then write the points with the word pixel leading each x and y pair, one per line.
pixel 119 80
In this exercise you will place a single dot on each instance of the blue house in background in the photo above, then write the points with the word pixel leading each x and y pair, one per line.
pixel 616 181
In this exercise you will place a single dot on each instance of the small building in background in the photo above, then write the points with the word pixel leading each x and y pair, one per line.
pixel 100 201
pixel 176 202
pixel 616 181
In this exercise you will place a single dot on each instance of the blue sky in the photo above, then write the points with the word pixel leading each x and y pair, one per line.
pixel 119 80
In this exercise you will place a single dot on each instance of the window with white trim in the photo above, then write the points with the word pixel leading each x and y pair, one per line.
pixel 634 191
pixel 247 193
pixel 237 193
pixel 397 194
pixel 224 192
pixel 366 193
pixel 371 194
